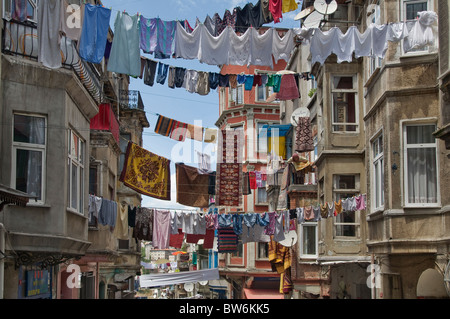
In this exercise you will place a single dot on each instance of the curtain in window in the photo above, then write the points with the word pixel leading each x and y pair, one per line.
pixel 421 161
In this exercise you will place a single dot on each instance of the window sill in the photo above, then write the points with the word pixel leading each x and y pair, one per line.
pixel 34 204
pixel 73 211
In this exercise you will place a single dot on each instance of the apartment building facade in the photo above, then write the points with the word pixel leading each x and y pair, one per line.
pixel 374 120
pixel 61 143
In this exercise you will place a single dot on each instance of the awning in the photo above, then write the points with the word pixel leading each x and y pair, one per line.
pixel 275 129
pixel 168 279
pixel 262 294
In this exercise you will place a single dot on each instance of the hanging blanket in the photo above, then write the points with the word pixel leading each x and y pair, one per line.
pixel 227 240
pixel 146 173
pixel 192 187
pixel 164 126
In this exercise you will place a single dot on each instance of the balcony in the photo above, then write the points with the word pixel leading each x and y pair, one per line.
pixel 21 39
pixel 131 100
pixel 106 120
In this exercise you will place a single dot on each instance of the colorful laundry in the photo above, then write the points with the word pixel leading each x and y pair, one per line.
pixel 146 173
pixel 192 187
pixel 227 240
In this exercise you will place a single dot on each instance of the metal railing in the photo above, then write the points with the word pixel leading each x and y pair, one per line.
pixel 131 99
pixel 21 39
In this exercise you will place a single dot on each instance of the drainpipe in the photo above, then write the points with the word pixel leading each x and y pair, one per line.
pixel 2 259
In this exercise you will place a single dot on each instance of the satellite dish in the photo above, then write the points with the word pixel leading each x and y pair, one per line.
pixel 305 12
pixel 325 7
pixel 313 20
pixel 203 283
pixel 302 111
pixel 289 239
pixel 189 287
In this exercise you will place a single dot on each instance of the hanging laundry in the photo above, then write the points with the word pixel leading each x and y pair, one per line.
pixel 361 202
pixel 288 88
pixel 249 16
pixel 224 80
pixel 179 76
pixel 190 80
pixel 164 125
pixel 204 163
pixel 289 5
pixel 210 25
pixel 179 131
pixel 94 32
pixel 213 79
pixel 108 213
pixel 246 189
pixel 125 51
pixel 149 71
pixel 95 203
pixel 176 240
pixel 240 48
pixel 282 45
pixel 304 141
pixel 267 15
pixel 161 229
pixel 162 72
pixel 148 34
pixel 195 132
pixel 420 32
pixel 121 228
pixel 192 187
pixel 232 80
pixel 249 80
pixel 187 45
pixel 227 240
pixel 171 77
pixel 72 20
pixel 143 229
pixel 49 37
pixel 237 223
pixel 146 173
pixel 165 38
pixel 132 216
pixel 210 135
pixel 257 80
pixel 202 86
pixel 228 20
pixel 252 179
pixel 275 8
pixel 337 207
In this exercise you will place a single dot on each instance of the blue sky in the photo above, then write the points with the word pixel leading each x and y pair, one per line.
pixel 178 103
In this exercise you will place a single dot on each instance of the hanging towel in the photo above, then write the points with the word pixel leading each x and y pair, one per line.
pixel 187 45
pixel 176 240
pixel 121 228
pixel 214 49
pixel 192 187
pixel 165 38
pixel 261 45
pixel 125 57
pixel 164 125
pixel 179 130
pixel 240 48
pixel 161 229
pixel 227 240
pixel 148 34
pixel 146 173
pixel 49 37
pixel 195 132
pixel 94 32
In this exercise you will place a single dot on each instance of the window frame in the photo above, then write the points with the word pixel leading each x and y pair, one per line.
pixel 7 14
pixel 77 160
pixel 377 160
pixel 403 13
pixel 30 147
pixel 233 95
pixel 354 90
pixel 336 197
pixel 407 146
pixel 301 243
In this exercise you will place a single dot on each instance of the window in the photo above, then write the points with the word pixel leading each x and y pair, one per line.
pixel 124 138
pixel 222 98
pixel 76 172
pixel 410 10
pixel 261 194
pixel 93 180
pixel 345 110
pixel 308 240
pixel 236 95
pixel 420 163
pixel 31 10
pixel 262 250
pixel 346 223
pixel 264 92
pixel 261 133
pixel 377 172
pixel 29 155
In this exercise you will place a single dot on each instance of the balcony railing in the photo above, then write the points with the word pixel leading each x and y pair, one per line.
pixel 106 120
pixel 21 39
pixel 131 99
